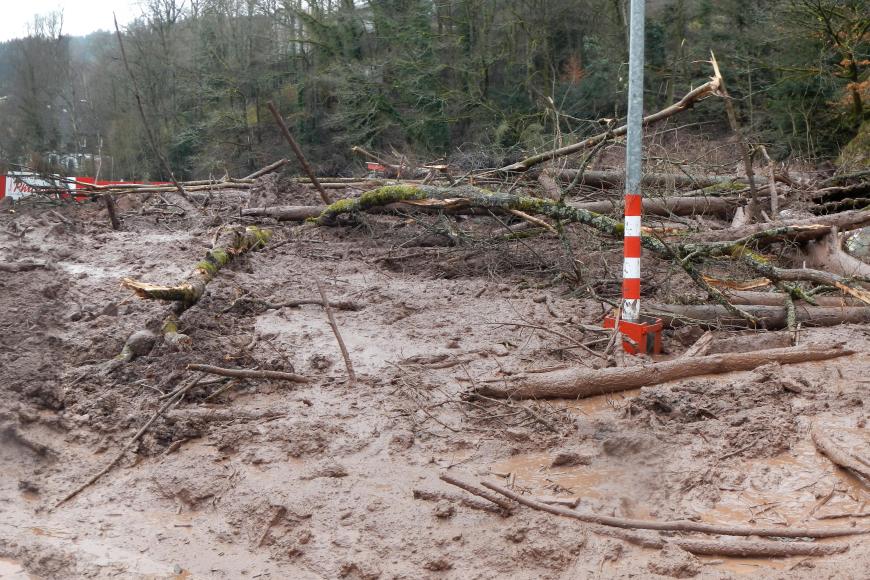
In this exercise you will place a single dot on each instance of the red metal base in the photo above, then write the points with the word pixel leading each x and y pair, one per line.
pixel 644 336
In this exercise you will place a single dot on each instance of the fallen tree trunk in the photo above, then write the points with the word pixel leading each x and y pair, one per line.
pixel 268 169
pixel 804 229
pixel 231 244
pixel 714 343
pixel 285 213
pixel 770 317
pixel 677 205
pixel 677 525
pixel 471 197
pixel 779 299
pixel 758 548
pixel 839 455
pixel 827 254
pixel 722 207
pixel 613 178
pixel 580 383
pixel 688 101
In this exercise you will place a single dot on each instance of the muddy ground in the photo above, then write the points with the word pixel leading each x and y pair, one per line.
pixel 266 479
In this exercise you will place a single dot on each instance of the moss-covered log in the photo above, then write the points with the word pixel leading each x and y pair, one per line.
pixel 723 207
pixel 481 198
pixel 232 243
pixel 683 253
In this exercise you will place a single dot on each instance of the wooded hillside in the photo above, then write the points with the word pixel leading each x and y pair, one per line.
pixel 451 78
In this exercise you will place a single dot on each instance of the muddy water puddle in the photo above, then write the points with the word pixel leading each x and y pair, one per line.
pixel 799 487
pixel 12 570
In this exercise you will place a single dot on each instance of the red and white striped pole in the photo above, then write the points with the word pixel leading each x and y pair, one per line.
pixel 631 258
pixel 633 166
pixel 641 334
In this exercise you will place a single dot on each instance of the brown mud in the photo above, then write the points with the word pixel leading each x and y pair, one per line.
pixel 282 480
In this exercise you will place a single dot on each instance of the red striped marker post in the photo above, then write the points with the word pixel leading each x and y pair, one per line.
pixel 640 333
pixel 631 258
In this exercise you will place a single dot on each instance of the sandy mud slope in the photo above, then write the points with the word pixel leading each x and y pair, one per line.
pixel 252 478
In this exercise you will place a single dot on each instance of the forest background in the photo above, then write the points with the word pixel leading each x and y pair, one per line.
pixel 478 82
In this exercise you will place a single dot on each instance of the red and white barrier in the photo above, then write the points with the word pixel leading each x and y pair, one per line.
pixel 20 184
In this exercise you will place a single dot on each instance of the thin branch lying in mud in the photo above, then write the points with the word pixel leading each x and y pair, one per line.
pixel 248 374
pixel 178 395
pixel 474 504
pixel 351 376
pixel 678 525
pixel 474 490
pixel 536 417
pixel 573 341
pixel 339 305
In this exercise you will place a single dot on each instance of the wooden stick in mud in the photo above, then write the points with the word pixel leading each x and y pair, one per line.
pixel 346 355
pixel 474 490
pixel 177 395
pixel 838 455
pixel 468 502
pixel 298 152
pixel 248 374
pixel 734 549
pixel 578 383
pixel 758 548
pixel 110 209
pixel 340 305
pixel 677 525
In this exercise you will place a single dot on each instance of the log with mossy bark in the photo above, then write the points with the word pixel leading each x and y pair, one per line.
pixel 722 207
pixel 231 243
pixel 684 254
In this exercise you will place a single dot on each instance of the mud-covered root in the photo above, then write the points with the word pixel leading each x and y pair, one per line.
pixel 231 244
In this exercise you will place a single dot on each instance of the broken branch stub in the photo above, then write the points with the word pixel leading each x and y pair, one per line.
pixel 231 244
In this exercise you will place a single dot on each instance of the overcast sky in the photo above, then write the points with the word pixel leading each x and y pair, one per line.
pixel 79 16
